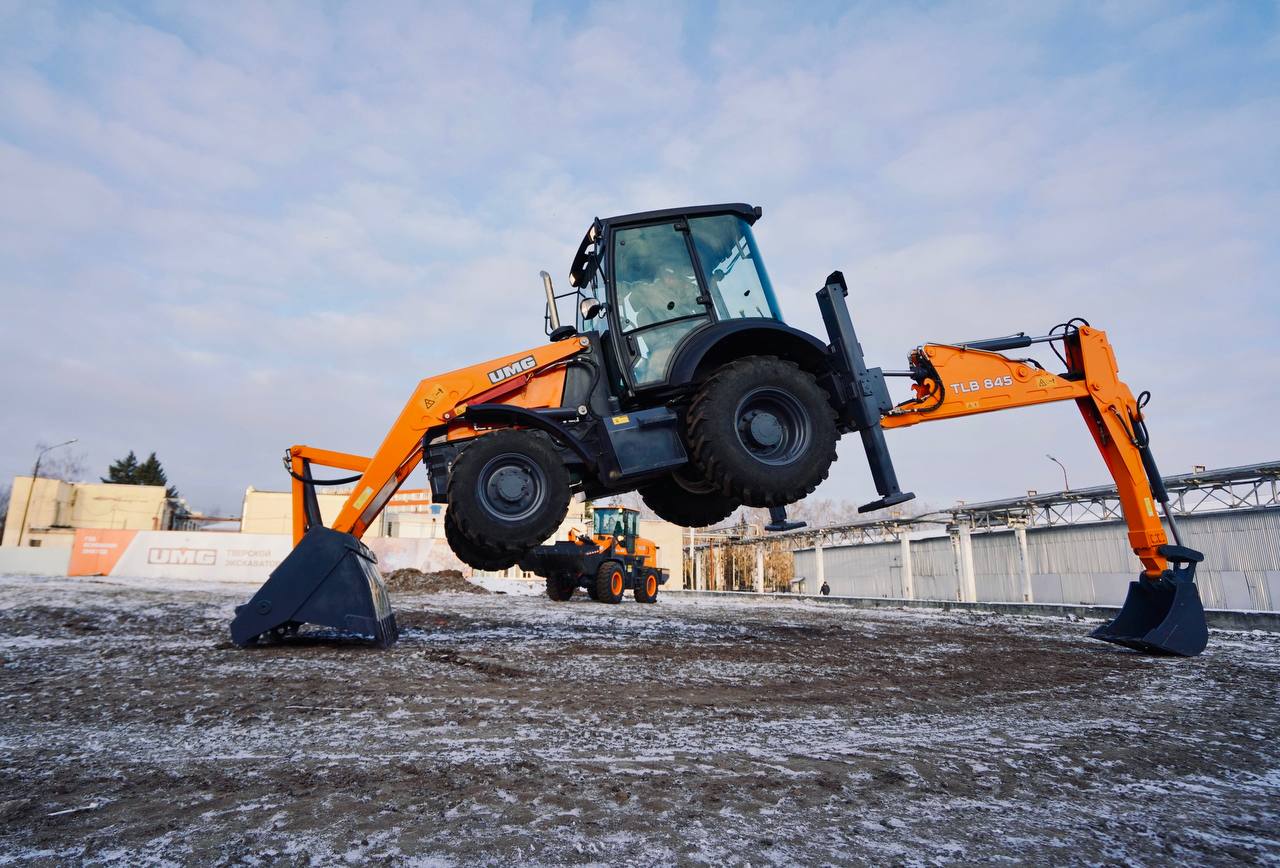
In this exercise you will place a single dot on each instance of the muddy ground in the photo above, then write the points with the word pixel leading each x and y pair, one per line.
pixel 509 729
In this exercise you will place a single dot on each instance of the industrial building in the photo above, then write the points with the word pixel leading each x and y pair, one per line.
pixel 48 512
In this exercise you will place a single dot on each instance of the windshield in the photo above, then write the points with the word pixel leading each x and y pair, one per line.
pixel 732 268
pixel 614 521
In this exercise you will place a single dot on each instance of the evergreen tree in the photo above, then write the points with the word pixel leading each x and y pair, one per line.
pixel 150 472
pixel 124 471
pixel 127 471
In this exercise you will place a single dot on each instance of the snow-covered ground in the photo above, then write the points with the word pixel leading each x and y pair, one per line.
pixel 506 728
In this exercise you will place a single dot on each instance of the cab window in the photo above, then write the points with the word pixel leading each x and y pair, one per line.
pixel 658 296
pixel 654 275
pixel 731 265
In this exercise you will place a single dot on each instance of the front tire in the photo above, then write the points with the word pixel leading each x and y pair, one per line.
pixel 561 588
pixel 610 582
pixel 509 491
pixel 762 430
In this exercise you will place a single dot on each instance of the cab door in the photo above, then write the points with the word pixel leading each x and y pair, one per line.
pixel 659 298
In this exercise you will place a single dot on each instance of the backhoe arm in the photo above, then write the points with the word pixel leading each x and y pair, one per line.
pixel 963 380
pixel 1162 611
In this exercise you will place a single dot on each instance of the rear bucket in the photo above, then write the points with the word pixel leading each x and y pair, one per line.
pixel 1160 617
pixel 330 579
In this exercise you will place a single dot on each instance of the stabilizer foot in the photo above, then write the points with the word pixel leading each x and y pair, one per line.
pixel 778 520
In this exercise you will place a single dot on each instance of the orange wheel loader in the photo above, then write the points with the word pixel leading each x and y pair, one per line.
pixel 613 559
pixel 680 379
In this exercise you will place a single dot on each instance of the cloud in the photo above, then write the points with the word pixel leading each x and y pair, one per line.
pixel 231 227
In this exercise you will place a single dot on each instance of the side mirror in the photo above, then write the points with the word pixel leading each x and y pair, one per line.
pixel 590 308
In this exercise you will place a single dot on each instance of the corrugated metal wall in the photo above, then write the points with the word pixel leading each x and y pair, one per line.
pixel 1089 564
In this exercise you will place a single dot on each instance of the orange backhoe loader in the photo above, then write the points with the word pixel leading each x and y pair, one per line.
pixel 679 379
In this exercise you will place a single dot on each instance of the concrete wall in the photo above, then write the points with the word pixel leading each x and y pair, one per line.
pixel 58 508
pixel 1088 564
pixel 25 561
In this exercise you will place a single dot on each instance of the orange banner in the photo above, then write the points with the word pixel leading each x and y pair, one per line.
pixel 95 552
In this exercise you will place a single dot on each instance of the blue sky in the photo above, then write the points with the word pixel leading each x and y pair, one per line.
pixel 227 228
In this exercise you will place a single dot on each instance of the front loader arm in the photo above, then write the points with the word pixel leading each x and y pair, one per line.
pixel 436 403
pixel 963 380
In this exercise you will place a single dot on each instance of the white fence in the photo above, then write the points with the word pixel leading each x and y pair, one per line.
pixel 15 561
pixel 1089 564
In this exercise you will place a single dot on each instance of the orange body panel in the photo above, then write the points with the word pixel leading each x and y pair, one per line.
pixel 544 389
pixel 645 548
pixel 435 403
pixel 976 381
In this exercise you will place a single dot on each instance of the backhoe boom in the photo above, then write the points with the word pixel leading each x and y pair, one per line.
pixel 957 380
pixel 1162 612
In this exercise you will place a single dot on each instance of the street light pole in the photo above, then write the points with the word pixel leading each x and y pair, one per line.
pixel 1066 486
pixel 35 474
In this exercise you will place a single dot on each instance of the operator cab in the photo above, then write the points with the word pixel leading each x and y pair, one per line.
pixel 616 521
pixel 649 283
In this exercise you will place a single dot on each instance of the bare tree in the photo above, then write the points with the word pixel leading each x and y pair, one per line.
pixel 5 491
pixel 65 464
pixel 631 500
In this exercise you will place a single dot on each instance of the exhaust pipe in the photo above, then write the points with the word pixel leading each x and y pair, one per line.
pixel 553 315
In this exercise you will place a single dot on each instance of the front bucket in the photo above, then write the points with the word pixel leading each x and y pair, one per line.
pixel 561 558
pixel 329 578
pixel 1159 617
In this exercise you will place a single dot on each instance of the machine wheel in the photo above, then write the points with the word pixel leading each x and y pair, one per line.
pixel 610 582
pixel 561 588
pixel 674 503
pixel 474 555
pixel 647 588
pixel 763 430
pixel 509 491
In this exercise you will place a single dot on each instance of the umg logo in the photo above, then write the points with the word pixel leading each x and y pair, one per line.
pixel 182 557
pixel 507 371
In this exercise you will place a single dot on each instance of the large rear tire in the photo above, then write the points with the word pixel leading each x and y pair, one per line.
pixel 509 491
pixel 472 554
pixel 646 590
pixel 675 503
pixel 762 430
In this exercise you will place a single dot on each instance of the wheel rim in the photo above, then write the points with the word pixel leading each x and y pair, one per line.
pixel 511 487
pixel 615 583
pixel 651 586
pixel 691 483
pixel 772 426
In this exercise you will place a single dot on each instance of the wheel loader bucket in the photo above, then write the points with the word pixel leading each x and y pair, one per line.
pixel 331 579
pixel 1160 617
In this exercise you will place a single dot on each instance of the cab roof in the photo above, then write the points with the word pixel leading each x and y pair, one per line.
pixel 584 262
